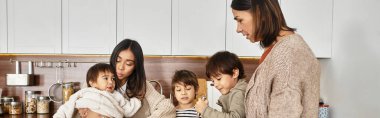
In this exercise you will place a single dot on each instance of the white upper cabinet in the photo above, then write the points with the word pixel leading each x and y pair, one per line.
pixel 148 22
pixel 88 26
pixel 3 27
pixel 313 21
pixel 236 42
pixel 198 27
pixel 34 26
pixel 162 27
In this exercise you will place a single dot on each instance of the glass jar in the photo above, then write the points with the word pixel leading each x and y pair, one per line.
pixel 16 108
pixel 30 102
pixel 67 91
pixel 43 104
pixel 6 103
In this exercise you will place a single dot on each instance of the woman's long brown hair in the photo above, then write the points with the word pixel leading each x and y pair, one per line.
pixel 136 82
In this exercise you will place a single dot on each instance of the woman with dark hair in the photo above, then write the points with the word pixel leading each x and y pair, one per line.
pixel 128 60
pixel 286 83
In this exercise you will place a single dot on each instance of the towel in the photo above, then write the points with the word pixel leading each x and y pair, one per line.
pixel 102 102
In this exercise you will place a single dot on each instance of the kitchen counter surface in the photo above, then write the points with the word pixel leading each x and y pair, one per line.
pixel 27 116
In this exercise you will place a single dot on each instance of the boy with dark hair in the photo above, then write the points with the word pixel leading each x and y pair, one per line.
pixel 226 73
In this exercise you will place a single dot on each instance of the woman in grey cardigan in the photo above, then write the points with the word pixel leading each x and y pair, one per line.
pixel 286 83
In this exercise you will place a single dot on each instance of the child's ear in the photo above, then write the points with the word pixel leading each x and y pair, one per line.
pixel 91 83
pixel 235 73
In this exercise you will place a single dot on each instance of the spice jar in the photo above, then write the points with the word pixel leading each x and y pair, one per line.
pixel 16 108
pixel 43 104
pixel 30 102
pixel 6 103
pixel 67 91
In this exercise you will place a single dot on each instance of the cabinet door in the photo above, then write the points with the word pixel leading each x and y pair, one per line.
pixel 34 26
pixel 198 27
pixel 236 42
pixel 89 26
pixel 148 22
pixel 313 20
pixel 3 27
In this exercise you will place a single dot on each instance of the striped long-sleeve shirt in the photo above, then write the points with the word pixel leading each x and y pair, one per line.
pixel 187 113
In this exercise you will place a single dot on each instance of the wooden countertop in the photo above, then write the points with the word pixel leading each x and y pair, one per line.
pixel 27 116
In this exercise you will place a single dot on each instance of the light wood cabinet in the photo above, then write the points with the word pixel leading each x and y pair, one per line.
pixel 34 26
pixel 88 26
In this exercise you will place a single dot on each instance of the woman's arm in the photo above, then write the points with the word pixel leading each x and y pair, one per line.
pixel 285 102
pixel 130 107
pixel 294 95
pixel 295 88
pixel 160 107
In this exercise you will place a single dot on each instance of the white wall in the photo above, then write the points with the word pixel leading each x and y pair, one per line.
pixel 350 80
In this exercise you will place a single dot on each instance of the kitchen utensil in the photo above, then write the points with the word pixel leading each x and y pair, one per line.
pixel 21 79
pixel 67 91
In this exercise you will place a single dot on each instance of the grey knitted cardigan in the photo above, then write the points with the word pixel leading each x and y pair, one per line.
pixel 286 83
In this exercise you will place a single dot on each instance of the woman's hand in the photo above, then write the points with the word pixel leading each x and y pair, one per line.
pixel 201 105
pixel 83 112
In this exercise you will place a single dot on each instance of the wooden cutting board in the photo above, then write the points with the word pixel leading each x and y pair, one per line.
pixel 202 91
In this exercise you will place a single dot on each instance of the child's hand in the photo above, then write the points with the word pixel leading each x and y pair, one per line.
pixel 201 105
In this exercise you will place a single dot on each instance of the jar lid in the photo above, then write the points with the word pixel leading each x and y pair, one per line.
pixel 7 99
pixel 43 98
pixel 68 84
pixel 30 92
pixel 15 103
